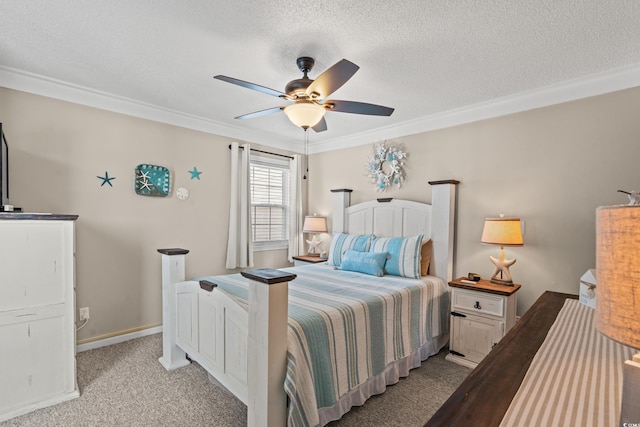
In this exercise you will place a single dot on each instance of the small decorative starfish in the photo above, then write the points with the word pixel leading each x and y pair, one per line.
pixel 145 184
pixel 195 173
pixel 105 179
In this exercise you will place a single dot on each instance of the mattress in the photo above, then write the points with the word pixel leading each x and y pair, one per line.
pixel 351 334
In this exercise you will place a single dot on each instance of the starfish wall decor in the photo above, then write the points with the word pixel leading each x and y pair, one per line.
pixel 106 179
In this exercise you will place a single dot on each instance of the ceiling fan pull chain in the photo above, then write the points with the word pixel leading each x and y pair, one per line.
pixel 306 152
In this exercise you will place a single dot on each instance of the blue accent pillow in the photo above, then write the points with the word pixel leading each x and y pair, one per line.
pixel 342 241
pixel 364 262
pixel 404 254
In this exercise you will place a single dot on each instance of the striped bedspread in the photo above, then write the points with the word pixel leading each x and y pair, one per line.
pixel 351 334
pixel 575 378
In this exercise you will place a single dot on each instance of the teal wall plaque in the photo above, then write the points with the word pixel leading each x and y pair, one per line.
pixel 152 180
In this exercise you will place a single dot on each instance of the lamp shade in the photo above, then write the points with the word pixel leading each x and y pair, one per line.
pixel 304 114
pixel 314 224
pixel 618 273
pixel 502 231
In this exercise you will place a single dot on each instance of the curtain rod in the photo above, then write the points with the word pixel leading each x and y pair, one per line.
pixel 265 152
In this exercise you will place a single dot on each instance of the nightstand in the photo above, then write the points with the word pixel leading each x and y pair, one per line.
pixel 481 314
pixel 305 260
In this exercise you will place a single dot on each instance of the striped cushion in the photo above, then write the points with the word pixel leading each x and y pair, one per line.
pixel 341 242
pixel 575 378
pixel 404 254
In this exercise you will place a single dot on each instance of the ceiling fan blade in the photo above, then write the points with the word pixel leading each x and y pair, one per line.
pixel 357 108
pixel 321 126
pixel 252 86
pixel 332 79
pixel 260 113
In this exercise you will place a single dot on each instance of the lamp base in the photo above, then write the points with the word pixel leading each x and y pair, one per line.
pixel 630 409
pixel 501 275
pixel 314 246
pixel 503 282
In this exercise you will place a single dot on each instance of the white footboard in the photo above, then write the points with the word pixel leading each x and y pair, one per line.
pixel 243 350
pixel 212 329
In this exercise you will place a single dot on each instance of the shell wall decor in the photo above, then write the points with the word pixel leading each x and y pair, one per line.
pixel 385 168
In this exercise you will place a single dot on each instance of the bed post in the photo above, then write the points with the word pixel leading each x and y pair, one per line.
pixel 172 272
pixel 267 347
pixel 443 202
pixel 341 201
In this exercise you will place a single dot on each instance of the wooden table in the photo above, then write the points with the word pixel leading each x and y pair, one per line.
pixel 307 259
pixel 485 395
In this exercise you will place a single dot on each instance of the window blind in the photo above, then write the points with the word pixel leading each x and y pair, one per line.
pixel 269 201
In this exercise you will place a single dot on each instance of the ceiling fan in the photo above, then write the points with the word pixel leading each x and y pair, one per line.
pixel 309 96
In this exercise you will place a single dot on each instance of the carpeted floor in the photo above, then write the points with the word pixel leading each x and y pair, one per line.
pixel 125 385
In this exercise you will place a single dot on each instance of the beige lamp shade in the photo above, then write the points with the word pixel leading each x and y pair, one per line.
pixel 304 114
pixel 314 224
pixel 502 231
pixel 618 273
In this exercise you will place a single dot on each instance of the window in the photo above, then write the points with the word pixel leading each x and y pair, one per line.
pixel 269 203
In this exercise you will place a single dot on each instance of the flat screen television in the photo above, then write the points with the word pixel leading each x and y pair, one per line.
pixel 4 171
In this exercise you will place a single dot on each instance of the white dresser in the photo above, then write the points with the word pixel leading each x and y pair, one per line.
pixel 37 312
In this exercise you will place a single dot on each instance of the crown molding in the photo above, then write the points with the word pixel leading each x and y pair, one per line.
pixel 592 85
pixel 57 89
pixel 571 90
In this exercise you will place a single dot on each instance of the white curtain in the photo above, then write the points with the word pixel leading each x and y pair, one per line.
pixel 295 207
pixel 240 245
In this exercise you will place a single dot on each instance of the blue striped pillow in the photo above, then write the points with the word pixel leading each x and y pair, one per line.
pixel 342 241
pixel 404 254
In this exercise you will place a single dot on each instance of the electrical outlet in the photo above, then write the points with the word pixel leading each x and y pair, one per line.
pixel 84 313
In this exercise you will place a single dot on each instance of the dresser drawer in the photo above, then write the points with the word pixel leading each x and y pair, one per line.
pixel 478 302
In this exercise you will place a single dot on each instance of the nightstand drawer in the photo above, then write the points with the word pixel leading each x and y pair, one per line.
pixel 478 302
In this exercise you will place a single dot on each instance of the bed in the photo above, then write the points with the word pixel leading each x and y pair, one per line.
pixel 552 368
pixel 302 345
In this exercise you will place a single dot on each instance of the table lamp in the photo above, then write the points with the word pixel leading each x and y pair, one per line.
pixel 503 232
pixel 314 224
pixel 618 300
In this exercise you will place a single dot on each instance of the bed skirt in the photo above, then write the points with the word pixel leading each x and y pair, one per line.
pixel 378 384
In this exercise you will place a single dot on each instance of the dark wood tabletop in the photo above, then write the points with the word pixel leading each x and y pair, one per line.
pixel 485 395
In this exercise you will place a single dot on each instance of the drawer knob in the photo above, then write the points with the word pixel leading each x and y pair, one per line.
pixel 477 305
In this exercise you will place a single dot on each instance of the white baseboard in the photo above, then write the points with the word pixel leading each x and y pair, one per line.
pixel 117 339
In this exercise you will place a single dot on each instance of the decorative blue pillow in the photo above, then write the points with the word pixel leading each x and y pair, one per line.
pixel 404 254
pixel 341 242
pixel 364 262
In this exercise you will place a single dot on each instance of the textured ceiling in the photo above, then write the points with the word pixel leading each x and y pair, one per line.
pixel 424 58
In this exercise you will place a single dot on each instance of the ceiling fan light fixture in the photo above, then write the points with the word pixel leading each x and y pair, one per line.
pixel 310 96
pixel 304 114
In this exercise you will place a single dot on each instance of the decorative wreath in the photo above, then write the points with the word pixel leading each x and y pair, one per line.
pixel 384 168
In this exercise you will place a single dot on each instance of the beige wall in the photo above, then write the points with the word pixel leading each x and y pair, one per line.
pixel 57 149
pixel 552 167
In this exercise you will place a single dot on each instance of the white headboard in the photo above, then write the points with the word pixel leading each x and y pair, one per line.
pixel 403 218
